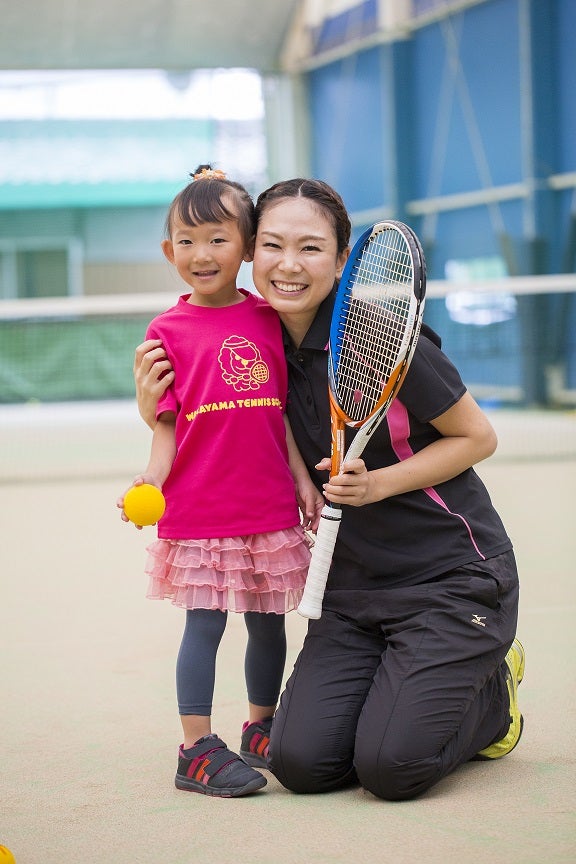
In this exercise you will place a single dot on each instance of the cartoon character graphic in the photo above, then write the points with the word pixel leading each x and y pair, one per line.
pixel 242 365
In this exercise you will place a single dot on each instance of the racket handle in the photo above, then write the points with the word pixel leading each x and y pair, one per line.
pixel 311 603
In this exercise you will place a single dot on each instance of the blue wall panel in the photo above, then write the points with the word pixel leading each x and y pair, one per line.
pixel 350 149
pixel 466 73
pixel 565 53
pixel 469 234
pixel 475 100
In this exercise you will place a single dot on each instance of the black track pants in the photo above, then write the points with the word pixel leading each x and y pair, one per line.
pixel 395 688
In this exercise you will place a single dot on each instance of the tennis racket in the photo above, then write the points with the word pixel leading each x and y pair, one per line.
pixel 375 325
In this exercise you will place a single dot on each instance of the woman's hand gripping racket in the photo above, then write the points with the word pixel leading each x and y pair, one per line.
pixel 373 334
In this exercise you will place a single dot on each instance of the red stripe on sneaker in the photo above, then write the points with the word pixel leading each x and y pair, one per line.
pixel 200 772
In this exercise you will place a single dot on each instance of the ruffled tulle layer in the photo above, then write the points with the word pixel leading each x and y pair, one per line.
pixel 258 573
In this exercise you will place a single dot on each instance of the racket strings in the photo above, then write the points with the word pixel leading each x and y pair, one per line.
pixel 386 258
pixel 374 322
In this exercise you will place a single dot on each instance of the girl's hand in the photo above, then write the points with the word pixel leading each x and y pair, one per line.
pixel 138 481
pixel 153 373
pixel 310 502
pixel 354 486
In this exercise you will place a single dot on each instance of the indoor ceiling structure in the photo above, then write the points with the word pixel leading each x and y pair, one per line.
pixel 144 34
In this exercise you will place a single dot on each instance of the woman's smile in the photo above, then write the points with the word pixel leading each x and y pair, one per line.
pixel 289 287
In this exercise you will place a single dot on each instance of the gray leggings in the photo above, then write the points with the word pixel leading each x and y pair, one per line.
pixel 196 664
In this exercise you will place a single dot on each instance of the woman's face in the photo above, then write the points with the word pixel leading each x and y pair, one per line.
pixel 296 259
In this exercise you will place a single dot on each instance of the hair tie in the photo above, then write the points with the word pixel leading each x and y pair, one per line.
pixel 210 174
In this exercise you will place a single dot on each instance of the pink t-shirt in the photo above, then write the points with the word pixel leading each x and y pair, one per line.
pixel 231 475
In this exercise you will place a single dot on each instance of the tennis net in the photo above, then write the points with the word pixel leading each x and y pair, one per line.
pixel 513 341
pixel 73 348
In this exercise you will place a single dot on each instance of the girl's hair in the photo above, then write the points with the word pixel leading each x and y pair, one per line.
pixel 203 201
pixel 323 195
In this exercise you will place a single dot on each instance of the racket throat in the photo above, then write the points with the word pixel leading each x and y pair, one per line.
pixel 338 449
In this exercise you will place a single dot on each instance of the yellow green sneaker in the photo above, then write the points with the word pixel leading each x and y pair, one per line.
pixel 515 663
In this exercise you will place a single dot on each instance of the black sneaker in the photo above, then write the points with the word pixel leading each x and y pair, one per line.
pixel 210 768
pixel 255 742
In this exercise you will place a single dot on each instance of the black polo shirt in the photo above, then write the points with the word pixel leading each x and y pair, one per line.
pixel 409 538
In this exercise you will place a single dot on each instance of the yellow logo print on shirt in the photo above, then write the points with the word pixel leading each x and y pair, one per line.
pixel 242 365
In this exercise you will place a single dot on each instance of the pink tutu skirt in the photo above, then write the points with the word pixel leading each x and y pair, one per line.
pixel 257 573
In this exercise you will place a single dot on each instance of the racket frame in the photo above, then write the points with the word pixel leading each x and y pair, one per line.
pixel 368 425
pixel 311 604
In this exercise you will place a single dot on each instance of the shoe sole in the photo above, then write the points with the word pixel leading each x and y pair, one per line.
pixel 187 784
pixel 519 648
pixel 253 759
pixel 519 735
pixel 479 757
pixel 519 674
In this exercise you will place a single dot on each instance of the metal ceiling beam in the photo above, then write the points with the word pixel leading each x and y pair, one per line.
pixel 159 34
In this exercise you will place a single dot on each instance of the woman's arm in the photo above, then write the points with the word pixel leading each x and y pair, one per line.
pixel 467 438
pixel 310 500
pixel 152 375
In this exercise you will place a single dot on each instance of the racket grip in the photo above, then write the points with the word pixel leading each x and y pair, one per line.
pixel 311 602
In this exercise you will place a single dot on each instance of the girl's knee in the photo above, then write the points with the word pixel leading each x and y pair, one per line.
pixel 262 625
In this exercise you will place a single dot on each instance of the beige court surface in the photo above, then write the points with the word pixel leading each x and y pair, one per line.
pixel 88 724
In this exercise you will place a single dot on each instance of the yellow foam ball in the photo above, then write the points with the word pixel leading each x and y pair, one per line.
pixel 6 856
pixel 144 505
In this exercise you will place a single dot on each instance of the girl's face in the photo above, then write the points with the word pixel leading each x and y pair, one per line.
pixel 207 257
pixel 296 261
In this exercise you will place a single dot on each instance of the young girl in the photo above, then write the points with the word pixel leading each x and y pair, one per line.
pixel 230 539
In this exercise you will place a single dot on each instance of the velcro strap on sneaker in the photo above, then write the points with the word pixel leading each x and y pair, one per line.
pixel 205 746
pixel 218 760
